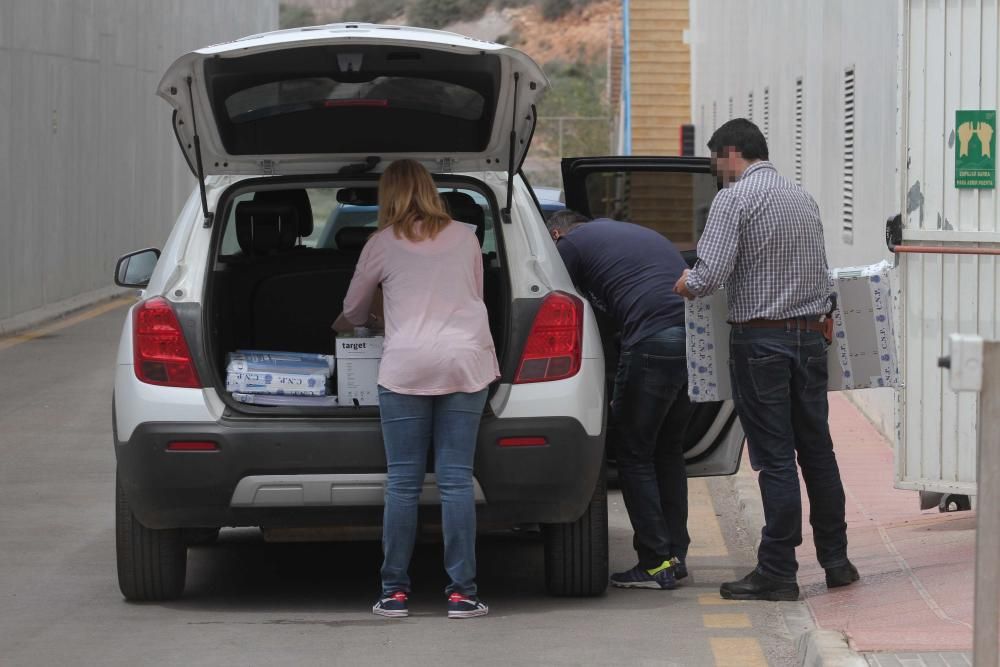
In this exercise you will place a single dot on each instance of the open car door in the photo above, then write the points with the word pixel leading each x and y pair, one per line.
pixel 671 195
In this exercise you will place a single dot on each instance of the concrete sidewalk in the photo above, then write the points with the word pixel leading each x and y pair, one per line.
pixel 914 604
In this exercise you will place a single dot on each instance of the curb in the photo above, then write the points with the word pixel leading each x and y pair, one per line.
pixel 827 648
pixel 59 310
pixel 816 648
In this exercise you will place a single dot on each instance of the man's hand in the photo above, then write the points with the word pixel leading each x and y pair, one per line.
pixel 681 286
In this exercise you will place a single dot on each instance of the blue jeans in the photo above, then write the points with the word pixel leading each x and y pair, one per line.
pixel 651 408
pixel 409 425
pixel 780 386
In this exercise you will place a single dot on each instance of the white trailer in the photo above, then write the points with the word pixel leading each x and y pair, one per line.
pixel 948 238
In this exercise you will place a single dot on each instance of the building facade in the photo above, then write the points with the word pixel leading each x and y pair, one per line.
pixel 91 167
pixel 820 80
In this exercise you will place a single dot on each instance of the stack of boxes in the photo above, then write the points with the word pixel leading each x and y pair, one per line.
pixel 262 377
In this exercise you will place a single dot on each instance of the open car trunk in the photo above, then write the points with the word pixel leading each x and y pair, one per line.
pixel 282 291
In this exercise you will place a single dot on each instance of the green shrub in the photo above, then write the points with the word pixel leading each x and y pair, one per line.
pixel 439 13
pixel 553 9
pixel 512 38
pixel 374 11
pixel 291 16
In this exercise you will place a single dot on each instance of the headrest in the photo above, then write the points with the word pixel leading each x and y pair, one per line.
pixel 464 208
pixel 297 199
pixel 266 228
pixel 353 239
pixel 359 196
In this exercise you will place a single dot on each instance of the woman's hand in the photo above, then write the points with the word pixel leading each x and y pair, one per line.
pixel 342 325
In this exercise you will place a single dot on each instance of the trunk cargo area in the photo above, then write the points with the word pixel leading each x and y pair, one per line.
pixel 283 291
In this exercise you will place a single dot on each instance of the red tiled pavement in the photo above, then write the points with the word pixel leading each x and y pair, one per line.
pixel 917 568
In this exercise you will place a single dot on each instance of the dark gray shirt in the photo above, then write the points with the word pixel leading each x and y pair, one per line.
pixel 627 271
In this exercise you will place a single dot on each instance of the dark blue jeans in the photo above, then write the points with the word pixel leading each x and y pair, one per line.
pixel 409 425
pixel 780 386
pixel 651 409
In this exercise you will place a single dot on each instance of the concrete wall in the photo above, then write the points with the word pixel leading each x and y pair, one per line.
pixel 91 169
pixel 741 47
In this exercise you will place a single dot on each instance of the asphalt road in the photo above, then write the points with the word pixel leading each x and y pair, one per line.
pixel 249 602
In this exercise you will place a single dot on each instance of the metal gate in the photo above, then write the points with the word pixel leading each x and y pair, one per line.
pixel 949 268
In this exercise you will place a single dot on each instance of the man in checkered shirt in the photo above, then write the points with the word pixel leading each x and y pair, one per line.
pixel 764 242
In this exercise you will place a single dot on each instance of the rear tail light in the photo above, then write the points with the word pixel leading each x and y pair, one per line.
pixel 161 354
pixel 555 345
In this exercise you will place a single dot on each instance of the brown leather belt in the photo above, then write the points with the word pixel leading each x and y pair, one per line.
pixel 791 324
pixel 824 327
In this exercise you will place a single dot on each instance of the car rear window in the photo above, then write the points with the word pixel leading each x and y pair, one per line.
pixel 330 216
pixel 384 92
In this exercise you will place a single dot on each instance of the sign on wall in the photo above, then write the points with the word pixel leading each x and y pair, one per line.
pixel 975 149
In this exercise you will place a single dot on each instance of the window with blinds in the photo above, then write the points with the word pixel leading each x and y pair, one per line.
pixel 848 207
pixel 750 106
pixel 799 123
pixel 766 120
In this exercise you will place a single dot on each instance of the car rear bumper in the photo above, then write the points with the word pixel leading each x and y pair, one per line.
pixel 277 473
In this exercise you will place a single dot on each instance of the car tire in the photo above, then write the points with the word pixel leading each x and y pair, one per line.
pixel 576 554
pixel 152 564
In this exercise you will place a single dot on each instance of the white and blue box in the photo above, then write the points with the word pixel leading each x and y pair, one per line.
pixel 280 384
pixel 863 353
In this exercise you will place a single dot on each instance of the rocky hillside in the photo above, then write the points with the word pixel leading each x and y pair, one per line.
pixel 581 35
pixel 578 42
pixel 548 30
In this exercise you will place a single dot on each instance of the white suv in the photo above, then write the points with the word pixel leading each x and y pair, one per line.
pixel 281 129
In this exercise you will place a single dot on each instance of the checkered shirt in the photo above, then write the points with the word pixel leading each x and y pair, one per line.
pixel 764 241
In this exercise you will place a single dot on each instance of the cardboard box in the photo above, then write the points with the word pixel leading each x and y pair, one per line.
pixel 281 384
pixel 863 353
pixel 358 359
pixel 261 361
pixel 285 400
pixel 268 359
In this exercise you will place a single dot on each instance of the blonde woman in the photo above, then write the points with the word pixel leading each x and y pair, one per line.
pixel 437 363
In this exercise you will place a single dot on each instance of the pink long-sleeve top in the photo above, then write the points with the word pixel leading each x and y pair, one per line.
pixel 437 333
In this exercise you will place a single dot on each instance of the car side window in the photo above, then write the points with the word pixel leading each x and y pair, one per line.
pixel 674 204
pixel 230 244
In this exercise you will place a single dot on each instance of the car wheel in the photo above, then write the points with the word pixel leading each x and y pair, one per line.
pixel 152 564
pixel 576 554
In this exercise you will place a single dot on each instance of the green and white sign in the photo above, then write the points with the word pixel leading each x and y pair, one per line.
pixel 975 150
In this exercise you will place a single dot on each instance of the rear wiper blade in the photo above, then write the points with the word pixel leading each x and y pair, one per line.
pixel 360 168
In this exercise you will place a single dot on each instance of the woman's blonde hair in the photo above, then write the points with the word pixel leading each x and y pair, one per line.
pixel 408 201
